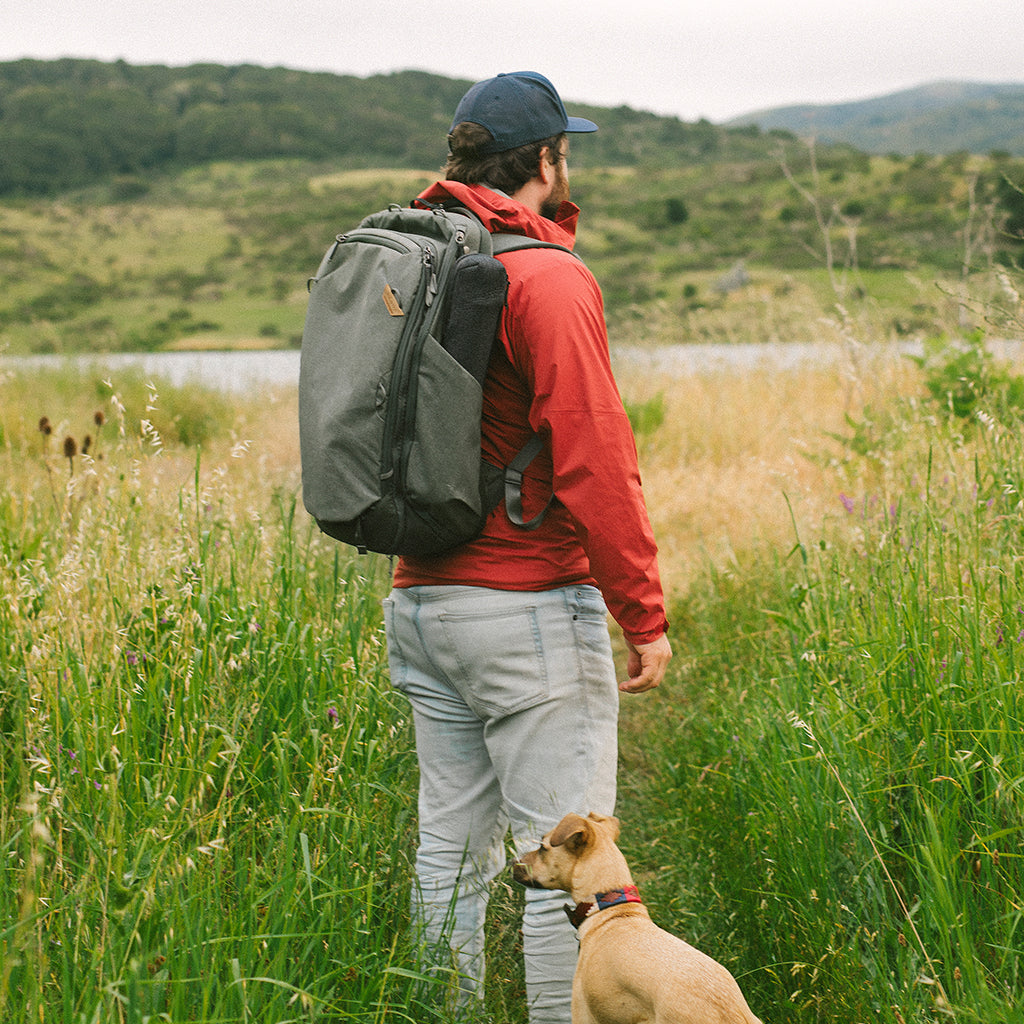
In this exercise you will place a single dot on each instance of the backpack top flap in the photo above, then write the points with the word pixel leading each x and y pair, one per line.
pixel 445 226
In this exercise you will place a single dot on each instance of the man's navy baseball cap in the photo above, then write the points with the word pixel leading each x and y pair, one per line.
pixel 517 108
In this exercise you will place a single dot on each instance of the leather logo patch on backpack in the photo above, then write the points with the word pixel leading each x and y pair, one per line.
pixel 391 301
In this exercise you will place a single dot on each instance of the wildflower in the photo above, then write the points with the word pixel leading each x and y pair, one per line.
pixel 848 503
pixel 70 451
pixel 332 714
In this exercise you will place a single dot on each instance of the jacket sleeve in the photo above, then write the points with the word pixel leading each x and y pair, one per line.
pixel 560 345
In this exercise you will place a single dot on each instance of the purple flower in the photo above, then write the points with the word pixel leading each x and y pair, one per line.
pixel 332 714
pixel 848 503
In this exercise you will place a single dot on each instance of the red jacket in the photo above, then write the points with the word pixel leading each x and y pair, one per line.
pixel 552 374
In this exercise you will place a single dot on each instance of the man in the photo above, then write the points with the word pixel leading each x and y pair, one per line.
pixel 502 644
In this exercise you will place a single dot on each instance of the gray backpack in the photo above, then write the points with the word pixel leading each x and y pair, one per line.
pixel 402 315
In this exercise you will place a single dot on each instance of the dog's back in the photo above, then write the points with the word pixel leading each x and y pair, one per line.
pixel 636 971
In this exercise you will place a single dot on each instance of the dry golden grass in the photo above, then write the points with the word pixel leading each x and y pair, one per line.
pixel 744 459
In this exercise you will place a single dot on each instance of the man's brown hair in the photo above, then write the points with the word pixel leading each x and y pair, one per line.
pixel 507 171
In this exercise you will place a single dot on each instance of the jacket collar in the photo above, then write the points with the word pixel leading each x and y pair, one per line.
pixel 500 212
pixel 601 901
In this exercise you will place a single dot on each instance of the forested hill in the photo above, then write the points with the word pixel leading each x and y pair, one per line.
pixel 67 123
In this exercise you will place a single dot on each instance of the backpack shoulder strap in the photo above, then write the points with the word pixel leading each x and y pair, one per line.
pixel 502 242
pixel 514 485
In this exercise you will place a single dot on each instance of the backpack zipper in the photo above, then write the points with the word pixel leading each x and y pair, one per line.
pixel 405 363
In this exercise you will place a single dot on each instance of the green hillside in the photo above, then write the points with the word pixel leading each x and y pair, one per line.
pixel 218 255
pixel 163 228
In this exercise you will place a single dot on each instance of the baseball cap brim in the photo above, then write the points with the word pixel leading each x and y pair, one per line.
pixel 580 124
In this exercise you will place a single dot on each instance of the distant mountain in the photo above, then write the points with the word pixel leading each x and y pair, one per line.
pixel 939 118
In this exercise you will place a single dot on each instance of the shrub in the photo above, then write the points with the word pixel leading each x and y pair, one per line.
pixel 963 375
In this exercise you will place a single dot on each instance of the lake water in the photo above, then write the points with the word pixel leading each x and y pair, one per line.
pixel 246 372
pixel 228 371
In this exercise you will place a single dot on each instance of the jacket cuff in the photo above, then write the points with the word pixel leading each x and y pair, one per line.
pixel 646 638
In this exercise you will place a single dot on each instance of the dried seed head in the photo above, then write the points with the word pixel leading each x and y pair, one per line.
pixel 44 426
pixel 98 418
pixel 70 447
pixel 86 444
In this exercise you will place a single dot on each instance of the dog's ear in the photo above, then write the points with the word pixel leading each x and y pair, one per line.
pixel 572 832
pixel 612 824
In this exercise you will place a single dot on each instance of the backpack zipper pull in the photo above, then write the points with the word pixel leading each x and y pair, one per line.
pixel 428 264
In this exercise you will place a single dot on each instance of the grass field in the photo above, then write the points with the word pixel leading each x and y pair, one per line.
pixel 220 254
pixel 207 789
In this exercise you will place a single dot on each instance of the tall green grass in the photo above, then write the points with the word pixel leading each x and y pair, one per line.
pixel 207 788
pixel 836 810
pixel 206 811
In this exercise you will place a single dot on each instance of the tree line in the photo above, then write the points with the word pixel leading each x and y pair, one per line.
pixel 70 122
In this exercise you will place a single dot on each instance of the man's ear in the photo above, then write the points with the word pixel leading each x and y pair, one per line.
pixel 546 170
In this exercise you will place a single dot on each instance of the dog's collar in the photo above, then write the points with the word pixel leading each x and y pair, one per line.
pixel 602 901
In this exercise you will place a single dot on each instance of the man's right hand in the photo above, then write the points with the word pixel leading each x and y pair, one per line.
pixel 647 665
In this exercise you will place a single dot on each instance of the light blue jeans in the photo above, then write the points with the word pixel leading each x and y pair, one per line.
pixel 515 705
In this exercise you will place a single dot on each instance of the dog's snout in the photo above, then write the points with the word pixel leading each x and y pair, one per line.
pixel 522 873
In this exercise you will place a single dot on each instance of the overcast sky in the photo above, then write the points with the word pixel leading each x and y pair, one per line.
pixel 713 59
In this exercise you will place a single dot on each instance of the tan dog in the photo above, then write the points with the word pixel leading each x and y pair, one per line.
pixel 630 971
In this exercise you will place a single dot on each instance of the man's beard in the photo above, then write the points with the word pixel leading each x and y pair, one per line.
pixel 559 193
